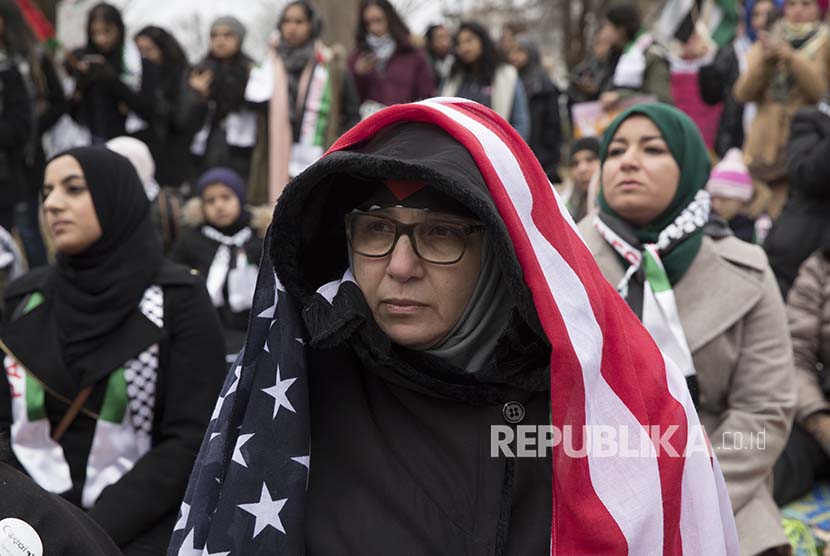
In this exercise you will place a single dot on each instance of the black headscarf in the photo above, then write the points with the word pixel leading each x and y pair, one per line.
pixel 98 291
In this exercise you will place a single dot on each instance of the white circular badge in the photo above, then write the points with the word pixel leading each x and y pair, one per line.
pixel 18 538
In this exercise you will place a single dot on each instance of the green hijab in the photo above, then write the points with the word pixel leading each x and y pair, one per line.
pixel 689 151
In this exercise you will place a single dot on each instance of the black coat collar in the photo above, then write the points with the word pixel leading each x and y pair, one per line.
pixel 32 338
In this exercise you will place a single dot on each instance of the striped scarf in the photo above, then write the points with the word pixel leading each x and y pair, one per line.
pixel 605 370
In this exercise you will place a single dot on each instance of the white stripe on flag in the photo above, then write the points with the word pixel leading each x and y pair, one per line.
pixel 627 486
pixel 702 502
pixel 673 14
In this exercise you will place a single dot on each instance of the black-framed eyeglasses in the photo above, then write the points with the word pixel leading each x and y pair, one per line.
pixel 436 240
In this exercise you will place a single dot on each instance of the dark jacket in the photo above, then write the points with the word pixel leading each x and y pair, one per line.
pixel 545 123
pixel 194 113
pixel 401 440
pixel 63 529
pixel 101 97
pixel 804 224
pixel 716 81
pixel 15 130
pixel 194 250
pixel 48 105
pixel 167 138
pixel 140 508
pixel 407 78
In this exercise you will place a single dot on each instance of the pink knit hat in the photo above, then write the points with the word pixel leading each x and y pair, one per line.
pixel 730 178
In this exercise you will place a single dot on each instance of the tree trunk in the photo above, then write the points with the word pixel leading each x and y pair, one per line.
pixel 340 17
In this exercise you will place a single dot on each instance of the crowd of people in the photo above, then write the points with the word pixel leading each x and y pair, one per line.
pixel 141 197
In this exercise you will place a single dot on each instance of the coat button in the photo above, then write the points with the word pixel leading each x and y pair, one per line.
pixel 513 412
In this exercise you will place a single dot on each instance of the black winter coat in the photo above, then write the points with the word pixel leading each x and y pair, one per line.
pixel 63 529
pixel 194 250
pixel 15 130
pixel 716 81
pixel 545 123
pixel 804 224
pixel 139 510
pixel 100 98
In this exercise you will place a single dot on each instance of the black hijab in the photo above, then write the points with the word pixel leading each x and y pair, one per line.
pixel 97 292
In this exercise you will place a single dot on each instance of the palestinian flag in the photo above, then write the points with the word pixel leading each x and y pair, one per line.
pixel 680 17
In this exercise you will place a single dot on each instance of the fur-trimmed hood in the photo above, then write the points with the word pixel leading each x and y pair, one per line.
pixel 308 240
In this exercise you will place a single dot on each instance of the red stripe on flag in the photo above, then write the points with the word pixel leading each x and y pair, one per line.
pixel 648 397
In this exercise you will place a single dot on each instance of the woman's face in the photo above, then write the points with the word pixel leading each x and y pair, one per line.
pixel 584 165
pixel 295 28
pixel 374 20
pixel 615 36
pixel 149 49
pixel 639 175
pixel 468 46
pixel 761 12
pixel 441 42
pixel 67 203
pixel 224 43
pixel 414 302
pixel 801 11
pixel 220 205
pixel 518 57
pixel 105 35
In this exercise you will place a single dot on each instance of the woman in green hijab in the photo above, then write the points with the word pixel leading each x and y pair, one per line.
pixel 709 300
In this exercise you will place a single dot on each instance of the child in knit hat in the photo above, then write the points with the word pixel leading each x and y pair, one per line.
pixel 225 249
pixel 731 188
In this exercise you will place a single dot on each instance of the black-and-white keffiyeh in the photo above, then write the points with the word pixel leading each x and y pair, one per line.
pixel 646 286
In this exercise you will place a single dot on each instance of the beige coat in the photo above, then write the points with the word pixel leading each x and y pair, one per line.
pixel 808 311
pixel 736 326
pixel 765 144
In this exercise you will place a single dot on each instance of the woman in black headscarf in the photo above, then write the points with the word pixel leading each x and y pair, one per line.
pixel 113 357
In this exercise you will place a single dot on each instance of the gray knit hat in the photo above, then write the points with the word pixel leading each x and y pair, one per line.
pixel 233 24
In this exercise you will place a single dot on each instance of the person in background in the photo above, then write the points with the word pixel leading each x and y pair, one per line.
pixel 806 459
pixel 717 79
pixel 545 138
pixel 16 127
pixel 804 224
pixel 640 66
pixel 730 340
pixel 112 357
pixel 479 74
pixel 225 250
pixel 387 67
pixel 165 208
pixel 113 88
pixel 168 141
pixel 440 52
pixel 313 102
pixel 46 105
pixel 214 107
pixel 787 69
pixel 397 329
pixel 583 164
pixel 588 78
pixel 730 186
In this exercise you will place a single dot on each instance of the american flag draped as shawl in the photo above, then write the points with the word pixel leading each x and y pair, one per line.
pixel 247 492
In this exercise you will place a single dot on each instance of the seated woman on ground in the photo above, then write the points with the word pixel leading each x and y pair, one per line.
pixel 113 357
